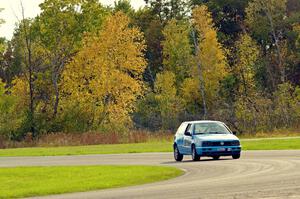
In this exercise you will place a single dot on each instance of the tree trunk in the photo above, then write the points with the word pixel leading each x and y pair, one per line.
pixel 31 104
pixel 58 64
pixel 30 70
pixel 278 50
pixel 56 102
pixel 201 80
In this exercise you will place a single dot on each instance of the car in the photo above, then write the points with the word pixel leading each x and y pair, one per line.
pixel 205 139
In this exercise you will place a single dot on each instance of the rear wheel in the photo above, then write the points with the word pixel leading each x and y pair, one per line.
pixel 236 156
pixel 216 157
pixel 177 155
pixel 195 156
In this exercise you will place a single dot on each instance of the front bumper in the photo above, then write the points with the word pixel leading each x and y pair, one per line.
pixel 219 151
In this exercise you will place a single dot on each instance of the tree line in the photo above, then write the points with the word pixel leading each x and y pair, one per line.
pixel 80 66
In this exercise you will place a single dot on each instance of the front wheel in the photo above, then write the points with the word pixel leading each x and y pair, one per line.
pixel 236 156
pixel 195 156
pixel 177 155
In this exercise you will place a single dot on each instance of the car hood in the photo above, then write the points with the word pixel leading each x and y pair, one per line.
pixel 216 137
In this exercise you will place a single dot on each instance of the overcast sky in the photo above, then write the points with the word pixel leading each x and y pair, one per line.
pixel 12 10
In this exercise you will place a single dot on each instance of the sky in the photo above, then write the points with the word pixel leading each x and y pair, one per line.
pixel 12 12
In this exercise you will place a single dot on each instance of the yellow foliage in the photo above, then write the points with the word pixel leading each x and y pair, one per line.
pixel 247 54
pixel 105 77
pixel 254 114
pixel 20 90
pixel 177 49
pixel 165 86
pixel 258 9
pixel 190 91
pixel 202 20
pixel 211 56
pixel 12 108
pixel 165 94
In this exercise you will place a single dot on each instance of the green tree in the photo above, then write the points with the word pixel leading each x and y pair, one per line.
pixel 124 6
pixel 11 117
pixel 8 70
pixel 287 105
pixel 267 19
pixel 166 96
pixel 297 30
pixel 177 50
pixel 169 9
pixel 228 15
pixel 152 28
pixel 247 100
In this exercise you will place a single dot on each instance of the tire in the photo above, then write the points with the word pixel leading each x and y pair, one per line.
pixel 177 155
pixel 236 156
pixel 195 156
pixel 216 157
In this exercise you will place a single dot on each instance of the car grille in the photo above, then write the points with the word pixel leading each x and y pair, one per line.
pixel 220 143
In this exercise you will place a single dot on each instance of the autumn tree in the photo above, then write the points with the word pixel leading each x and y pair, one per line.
pixel 168 101
pixel 152 20
pixel 177 50
pixel 31 62
pixel 246 54
pixel 209 57
pixel 286 105
pixel 11 118
pixel 267 19
pixel 61 25
pixel 105 77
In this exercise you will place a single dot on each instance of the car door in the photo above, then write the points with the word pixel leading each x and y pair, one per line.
pixel 187 139
pixel 179 137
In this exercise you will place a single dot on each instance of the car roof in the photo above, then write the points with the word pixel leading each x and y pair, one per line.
pixel 202 121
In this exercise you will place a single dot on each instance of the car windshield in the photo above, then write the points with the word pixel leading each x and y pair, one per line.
pixel 210 128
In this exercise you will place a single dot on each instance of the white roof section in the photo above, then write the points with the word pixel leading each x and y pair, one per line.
pixel 203 121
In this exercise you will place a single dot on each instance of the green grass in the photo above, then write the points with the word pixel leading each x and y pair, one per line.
pixel 91 149
pixel 36 181
pixel 163 146
pixel 271 144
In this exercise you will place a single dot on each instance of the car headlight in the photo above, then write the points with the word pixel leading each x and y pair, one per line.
pixel 235 143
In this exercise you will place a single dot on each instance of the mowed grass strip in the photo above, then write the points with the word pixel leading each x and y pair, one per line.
pixel 89 149
pixel 21 182
pixel 164 146
pixel 271 144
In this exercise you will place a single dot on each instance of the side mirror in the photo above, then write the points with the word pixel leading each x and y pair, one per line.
pixel 187 133
pixel 234 132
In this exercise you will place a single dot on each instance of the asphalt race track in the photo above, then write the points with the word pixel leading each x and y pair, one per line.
pixel 258 174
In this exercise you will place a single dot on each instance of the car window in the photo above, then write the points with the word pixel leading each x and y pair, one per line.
pixel 189 128
pixel 181 128
pixel 210 128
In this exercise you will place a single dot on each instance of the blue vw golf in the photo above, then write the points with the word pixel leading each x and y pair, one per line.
pixel 205 138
